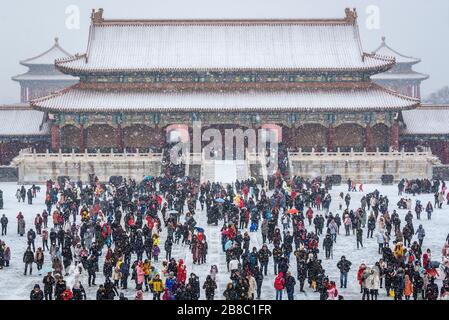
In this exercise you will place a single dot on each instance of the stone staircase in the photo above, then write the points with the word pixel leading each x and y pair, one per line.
pixel 208 171
pixel 226 171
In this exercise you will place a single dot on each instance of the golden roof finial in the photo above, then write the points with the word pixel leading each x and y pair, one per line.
pixel 351 15
pixel 97 16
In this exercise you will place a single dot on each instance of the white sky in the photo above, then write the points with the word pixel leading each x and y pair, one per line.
pixel 413 27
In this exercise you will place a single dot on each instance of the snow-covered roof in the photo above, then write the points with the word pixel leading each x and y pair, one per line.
pixel 427 120
pixel 385 50
pixel 45 77
pixel 88 98
pixel 48 57
pixel 21 120
pixel 400 76
pixel 220 45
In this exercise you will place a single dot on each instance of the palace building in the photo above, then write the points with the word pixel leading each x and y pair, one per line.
pixel 144 83
pixel 42 77
pixel 308 79
pixel 401 78
pixel 23 127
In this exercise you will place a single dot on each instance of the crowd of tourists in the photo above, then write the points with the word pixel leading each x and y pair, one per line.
pixel 127 230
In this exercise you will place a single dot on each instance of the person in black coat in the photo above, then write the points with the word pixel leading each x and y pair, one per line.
pixel 91 269
pixel 418 284
pixel 4 223
pixel 290 283
pixel 195 285
pixel 399 284
pixel 302 273
pixel 30 196
pixel 209 287
pixel 101 293
pixel 67 258
pixel 283 265
pixel 60 287
pixel 432 290
pixel 28 259
pixel 168 248
pixel 327 245
pixel 344 266
pixel 263 255
pixel 31 236
pixel 110 289
pixel 78 292
pixel 258 276
pixel 49 282
pixel 36 293
pixel 359 236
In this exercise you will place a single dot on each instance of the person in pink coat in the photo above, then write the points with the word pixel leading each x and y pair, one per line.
pixel 140 275
pixel 332 292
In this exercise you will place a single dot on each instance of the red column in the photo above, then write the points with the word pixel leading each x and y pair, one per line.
pixel 330 139
pixel 445 153
pixel 2 156
pixel 55 138
pixel 82 144
pixel 286 137
pixel 368 138
pixel 394 136
pixel 119 138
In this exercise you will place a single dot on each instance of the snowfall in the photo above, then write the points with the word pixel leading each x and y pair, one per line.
pixel 15 286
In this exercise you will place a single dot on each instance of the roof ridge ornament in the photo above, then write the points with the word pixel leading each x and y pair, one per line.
pixel 351 15
pixel 97 16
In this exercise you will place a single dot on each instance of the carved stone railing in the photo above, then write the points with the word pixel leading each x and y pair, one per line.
pixel 366 167
pixel 39 167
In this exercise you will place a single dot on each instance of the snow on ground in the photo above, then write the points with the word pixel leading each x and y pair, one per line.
pixel 14 285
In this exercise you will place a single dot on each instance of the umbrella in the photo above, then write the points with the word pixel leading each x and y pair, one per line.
pixel 293 211
pixel 148 178
pixel 219 200
pixel 228 244
pixel 199 229
pixel 47 270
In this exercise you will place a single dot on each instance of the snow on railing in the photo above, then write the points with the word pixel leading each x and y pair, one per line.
pixel 32 154
pixel 358 154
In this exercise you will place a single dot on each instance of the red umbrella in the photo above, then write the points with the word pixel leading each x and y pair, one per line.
pixel 293 211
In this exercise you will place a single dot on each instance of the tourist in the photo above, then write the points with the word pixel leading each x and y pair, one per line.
pixel 4 223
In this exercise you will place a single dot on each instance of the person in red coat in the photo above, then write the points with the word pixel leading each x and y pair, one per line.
pixel 426 259
pixel 362 269
pixel 279 285
pixel 318 202
pixel 309 215
pixel 67 294
pixel 182 272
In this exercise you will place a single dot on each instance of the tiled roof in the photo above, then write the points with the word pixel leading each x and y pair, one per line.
pixel 44 77
pixel 400 76
pixel 21 120
pixel 427 120
pixel 387 51
pixel 180 45
pixel 305 98
pixel 48 57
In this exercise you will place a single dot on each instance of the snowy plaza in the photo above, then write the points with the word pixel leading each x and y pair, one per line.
pixel 299 152
pixel 17 286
